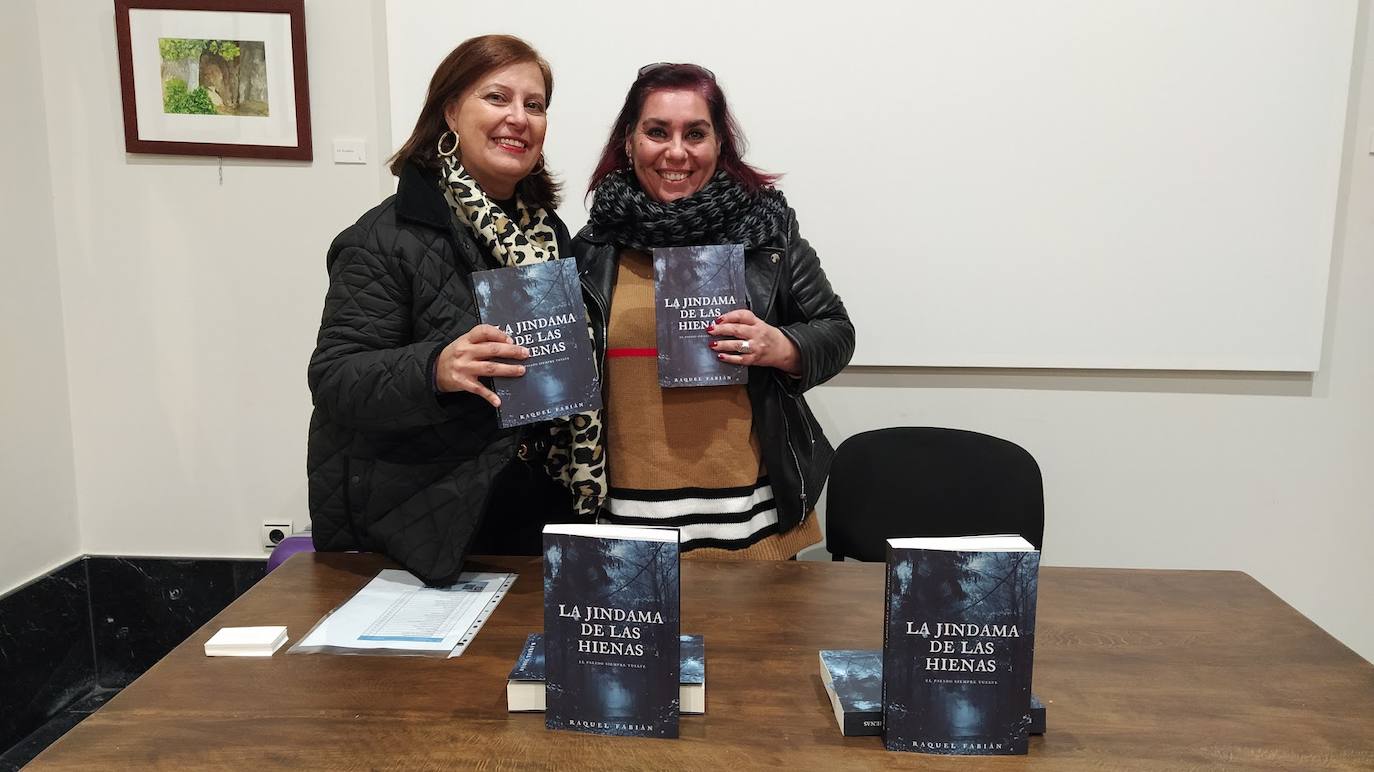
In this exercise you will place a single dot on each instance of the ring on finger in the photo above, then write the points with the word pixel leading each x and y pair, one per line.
pixel 744 347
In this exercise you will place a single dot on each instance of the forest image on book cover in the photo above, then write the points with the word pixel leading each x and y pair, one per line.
pixel 611 626
pixel 854 679
pixel 540 307
pixel 957 651
pixel 693 286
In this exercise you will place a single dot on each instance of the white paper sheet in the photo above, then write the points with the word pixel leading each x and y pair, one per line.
pixel 395 611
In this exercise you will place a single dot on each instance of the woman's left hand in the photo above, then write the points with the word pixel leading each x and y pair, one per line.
pixel 757 343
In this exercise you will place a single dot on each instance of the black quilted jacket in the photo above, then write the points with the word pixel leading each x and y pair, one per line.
pixel 787 289
pixel 394 467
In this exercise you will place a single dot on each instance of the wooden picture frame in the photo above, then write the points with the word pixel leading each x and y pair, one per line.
pixel 214 77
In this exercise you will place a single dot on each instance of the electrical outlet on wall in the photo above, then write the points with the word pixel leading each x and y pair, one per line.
pixel 273 532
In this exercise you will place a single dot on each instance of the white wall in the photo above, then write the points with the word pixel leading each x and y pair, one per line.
pixel 1057 161
pixel 1267 474
pixel 191 308
pixel 192 304
pixel 37 481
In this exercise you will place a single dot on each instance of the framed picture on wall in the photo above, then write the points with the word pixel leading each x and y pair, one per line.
pixel 214 77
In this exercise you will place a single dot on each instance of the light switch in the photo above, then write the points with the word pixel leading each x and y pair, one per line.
pixel 350 151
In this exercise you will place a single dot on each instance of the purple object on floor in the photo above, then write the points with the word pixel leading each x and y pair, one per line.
pixel 288 547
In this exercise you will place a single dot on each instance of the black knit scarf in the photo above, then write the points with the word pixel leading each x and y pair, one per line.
pixel 722 212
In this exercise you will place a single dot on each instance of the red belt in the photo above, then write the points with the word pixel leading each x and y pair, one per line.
pixel 631 352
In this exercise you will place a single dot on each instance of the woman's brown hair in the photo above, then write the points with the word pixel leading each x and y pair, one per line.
pixel 460 70
pixel 680 77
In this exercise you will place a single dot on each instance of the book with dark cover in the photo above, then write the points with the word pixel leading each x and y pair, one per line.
pixel 611 627
pixel 958 644
pixel 540 306
pixel 693 286
pixel 854 680
pixel 525 684
pixel 1037 716
pixel 692 674
pixel 529 666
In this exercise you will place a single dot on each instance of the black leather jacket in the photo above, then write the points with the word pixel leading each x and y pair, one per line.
pixel 788 290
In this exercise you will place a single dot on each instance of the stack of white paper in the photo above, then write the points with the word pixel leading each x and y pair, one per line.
pixel 397 613
pixel 245 642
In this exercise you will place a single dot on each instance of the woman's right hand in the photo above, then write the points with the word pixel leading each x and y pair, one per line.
pixel 471 356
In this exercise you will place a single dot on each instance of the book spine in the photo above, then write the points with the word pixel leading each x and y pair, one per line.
pixel 887 627
pixel 866 723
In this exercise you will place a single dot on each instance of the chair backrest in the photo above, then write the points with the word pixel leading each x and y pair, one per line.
pixel 926 481
pixel 288 547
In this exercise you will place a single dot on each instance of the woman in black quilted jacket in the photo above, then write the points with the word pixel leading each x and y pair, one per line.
pixel 406 455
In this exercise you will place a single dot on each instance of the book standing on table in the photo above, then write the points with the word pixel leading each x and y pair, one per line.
pixel 958 644
pixel 611 629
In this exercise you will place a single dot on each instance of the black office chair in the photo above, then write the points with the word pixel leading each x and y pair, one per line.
pixel 925 481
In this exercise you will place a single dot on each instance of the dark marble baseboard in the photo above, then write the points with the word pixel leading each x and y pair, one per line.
pixel 29 747
pixel 141 608
pixel 94 625
pixel 47 657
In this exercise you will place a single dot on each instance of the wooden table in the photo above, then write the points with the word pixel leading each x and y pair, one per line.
pixel 1141 670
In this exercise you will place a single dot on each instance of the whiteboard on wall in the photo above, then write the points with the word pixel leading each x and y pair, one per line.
pixel 1068 184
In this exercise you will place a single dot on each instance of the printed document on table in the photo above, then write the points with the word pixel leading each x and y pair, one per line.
pixel 397 613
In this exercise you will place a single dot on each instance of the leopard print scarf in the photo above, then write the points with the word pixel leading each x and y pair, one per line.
pixel 577 456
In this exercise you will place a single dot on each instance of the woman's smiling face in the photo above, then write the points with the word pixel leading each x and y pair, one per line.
pixel 673 145
pixel 500 125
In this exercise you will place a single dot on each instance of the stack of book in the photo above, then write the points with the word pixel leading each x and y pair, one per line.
pixel 525 685
pixel 853 679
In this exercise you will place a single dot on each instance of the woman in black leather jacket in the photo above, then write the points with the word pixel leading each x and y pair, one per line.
pixel 736 468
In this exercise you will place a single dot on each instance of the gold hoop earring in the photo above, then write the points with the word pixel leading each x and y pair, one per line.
pixel 440 147
pixel 538 168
